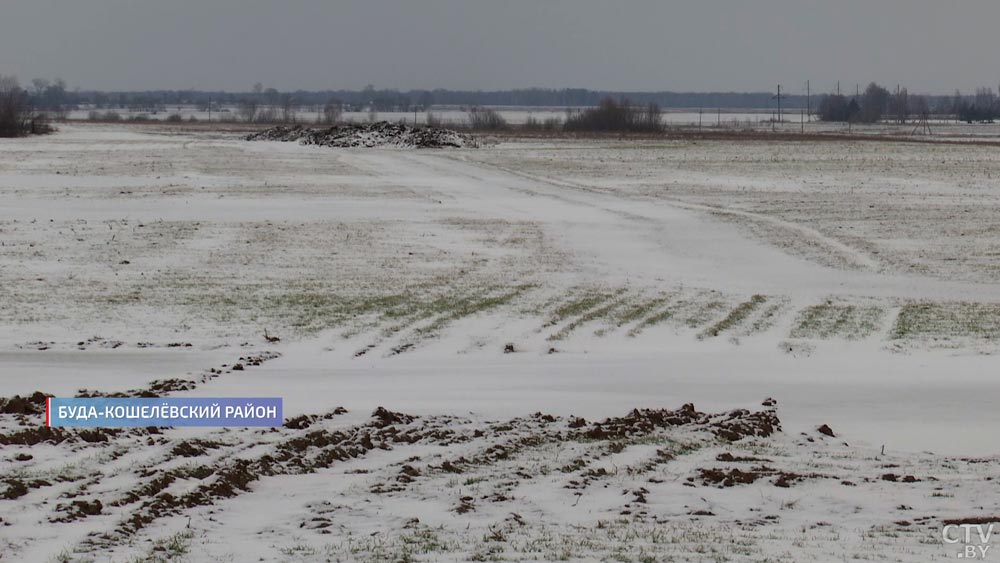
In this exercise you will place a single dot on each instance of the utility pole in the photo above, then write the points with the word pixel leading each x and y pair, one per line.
pixel 779 109
pixel 210 109
pixel 838 87
pixel 808 101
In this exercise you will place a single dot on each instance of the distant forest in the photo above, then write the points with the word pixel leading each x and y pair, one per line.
pixel 54 94
pixel 869 105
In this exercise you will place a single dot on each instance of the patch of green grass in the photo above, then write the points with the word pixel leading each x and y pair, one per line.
pixel 652 320
pixel 691 312
pixel 766 319
pixel 734 318
pixel 170 548
pixel 831 320
pixel 300 550
pixel 426 541
pixel 450 309
pixel 703 313
pixel 593 314
pixel 305 311
pixel 635 312
pixel 948 320
pixel 580 305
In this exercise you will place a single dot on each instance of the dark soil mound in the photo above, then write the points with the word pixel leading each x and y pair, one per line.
pixel 368 135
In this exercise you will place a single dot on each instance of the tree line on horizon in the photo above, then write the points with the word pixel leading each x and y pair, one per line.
pixel 877 103
pixel 269 105
pixel 54 94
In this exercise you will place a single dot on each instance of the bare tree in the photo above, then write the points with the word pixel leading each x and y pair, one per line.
pixel 40 85
pixel 874 102
pixel 486 119
pixel 899 105
pixel 332 111
pixel 289 107
pixel 272 97
pixel 620 116
pixel 985 98
pixel 986 104
pixel 15 115
pixel 957 103
pixel 918 106
pixel 835 107
pixel 248 109
pixel 650 118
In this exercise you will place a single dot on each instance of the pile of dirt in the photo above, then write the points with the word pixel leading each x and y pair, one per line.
pixel 368 135
pixel 732 426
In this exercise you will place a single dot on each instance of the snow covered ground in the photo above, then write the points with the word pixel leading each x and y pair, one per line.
pixel 501 303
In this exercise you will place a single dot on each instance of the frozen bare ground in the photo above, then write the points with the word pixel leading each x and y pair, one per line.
pixel 484 352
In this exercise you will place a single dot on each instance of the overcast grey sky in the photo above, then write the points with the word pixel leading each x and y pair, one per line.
pixel 685 45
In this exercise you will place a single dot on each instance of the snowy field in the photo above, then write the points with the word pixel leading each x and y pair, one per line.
pixel 485 353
